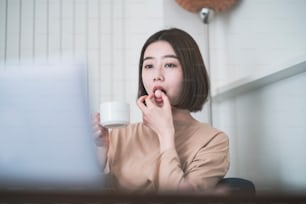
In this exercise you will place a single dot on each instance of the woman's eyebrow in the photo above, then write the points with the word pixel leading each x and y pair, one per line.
pixel 166 56
pixel 148 58
pixel 170 56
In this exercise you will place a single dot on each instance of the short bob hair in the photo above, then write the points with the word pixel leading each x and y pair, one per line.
pixel 195 87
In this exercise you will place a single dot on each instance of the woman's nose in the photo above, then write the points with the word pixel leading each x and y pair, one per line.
pixel 158 75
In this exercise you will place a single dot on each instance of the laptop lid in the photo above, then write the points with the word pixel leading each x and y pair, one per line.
pixel 45 129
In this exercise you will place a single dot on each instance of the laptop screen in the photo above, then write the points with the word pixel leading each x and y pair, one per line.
pixel 45 128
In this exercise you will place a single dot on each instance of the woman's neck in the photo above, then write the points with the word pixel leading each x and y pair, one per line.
pixel 181 115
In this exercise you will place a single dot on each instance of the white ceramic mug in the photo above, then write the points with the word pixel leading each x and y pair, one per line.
pixel 114 114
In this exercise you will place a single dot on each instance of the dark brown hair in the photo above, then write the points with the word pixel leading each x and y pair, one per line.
pixel 195 78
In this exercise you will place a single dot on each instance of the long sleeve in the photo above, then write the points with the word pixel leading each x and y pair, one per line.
pixel 208 165
pixel 169 171
pixel 201 156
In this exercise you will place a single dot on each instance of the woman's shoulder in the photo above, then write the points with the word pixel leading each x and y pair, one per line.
pixel 200 137
pixel 208 132
pixel 208 127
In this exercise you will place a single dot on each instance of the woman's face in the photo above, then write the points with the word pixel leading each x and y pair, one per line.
pixel 162 70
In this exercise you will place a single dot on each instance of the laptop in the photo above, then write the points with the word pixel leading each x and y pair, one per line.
pixel 46 140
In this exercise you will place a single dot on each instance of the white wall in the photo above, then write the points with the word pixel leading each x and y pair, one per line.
pixel 266 125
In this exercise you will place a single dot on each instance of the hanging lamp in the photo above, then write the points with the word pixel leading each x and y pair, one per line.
pixel 206 8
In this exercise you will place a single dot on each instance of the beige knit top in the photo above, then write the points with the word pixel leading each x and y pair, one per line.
pixel 136 165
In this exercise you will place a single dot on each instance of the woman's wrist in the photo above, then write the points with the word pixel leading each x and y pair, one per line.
pixel 166 141
pixel 165 147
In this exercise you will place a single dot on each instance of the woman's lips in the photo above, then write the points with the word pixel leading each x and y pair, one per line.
pixel 159 88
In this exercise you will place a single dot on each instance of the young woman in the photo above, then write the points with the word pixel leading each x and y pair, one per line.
pixel 170 151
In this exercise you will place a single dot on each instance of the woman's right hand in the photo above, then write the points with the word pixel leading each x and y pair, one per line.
pixel 101 136
pixel 158 117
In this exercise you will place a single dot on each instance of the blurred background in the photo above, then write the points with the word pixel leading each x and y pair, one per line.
pixel 255 53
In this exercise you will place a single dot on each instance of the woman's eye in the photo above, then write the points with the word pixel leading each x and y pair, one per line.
pixel 148 66
pixel 170 65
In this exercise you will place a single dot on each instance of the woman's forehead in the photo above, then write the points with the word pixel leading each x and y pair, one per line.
pixel 159 49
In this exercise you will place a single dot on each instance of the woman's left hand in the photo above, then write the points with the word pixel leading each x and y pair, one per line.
pixel 158 116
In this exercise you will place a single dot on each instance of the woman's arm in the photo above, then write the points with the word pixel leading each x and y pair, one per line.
pixel 209 165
